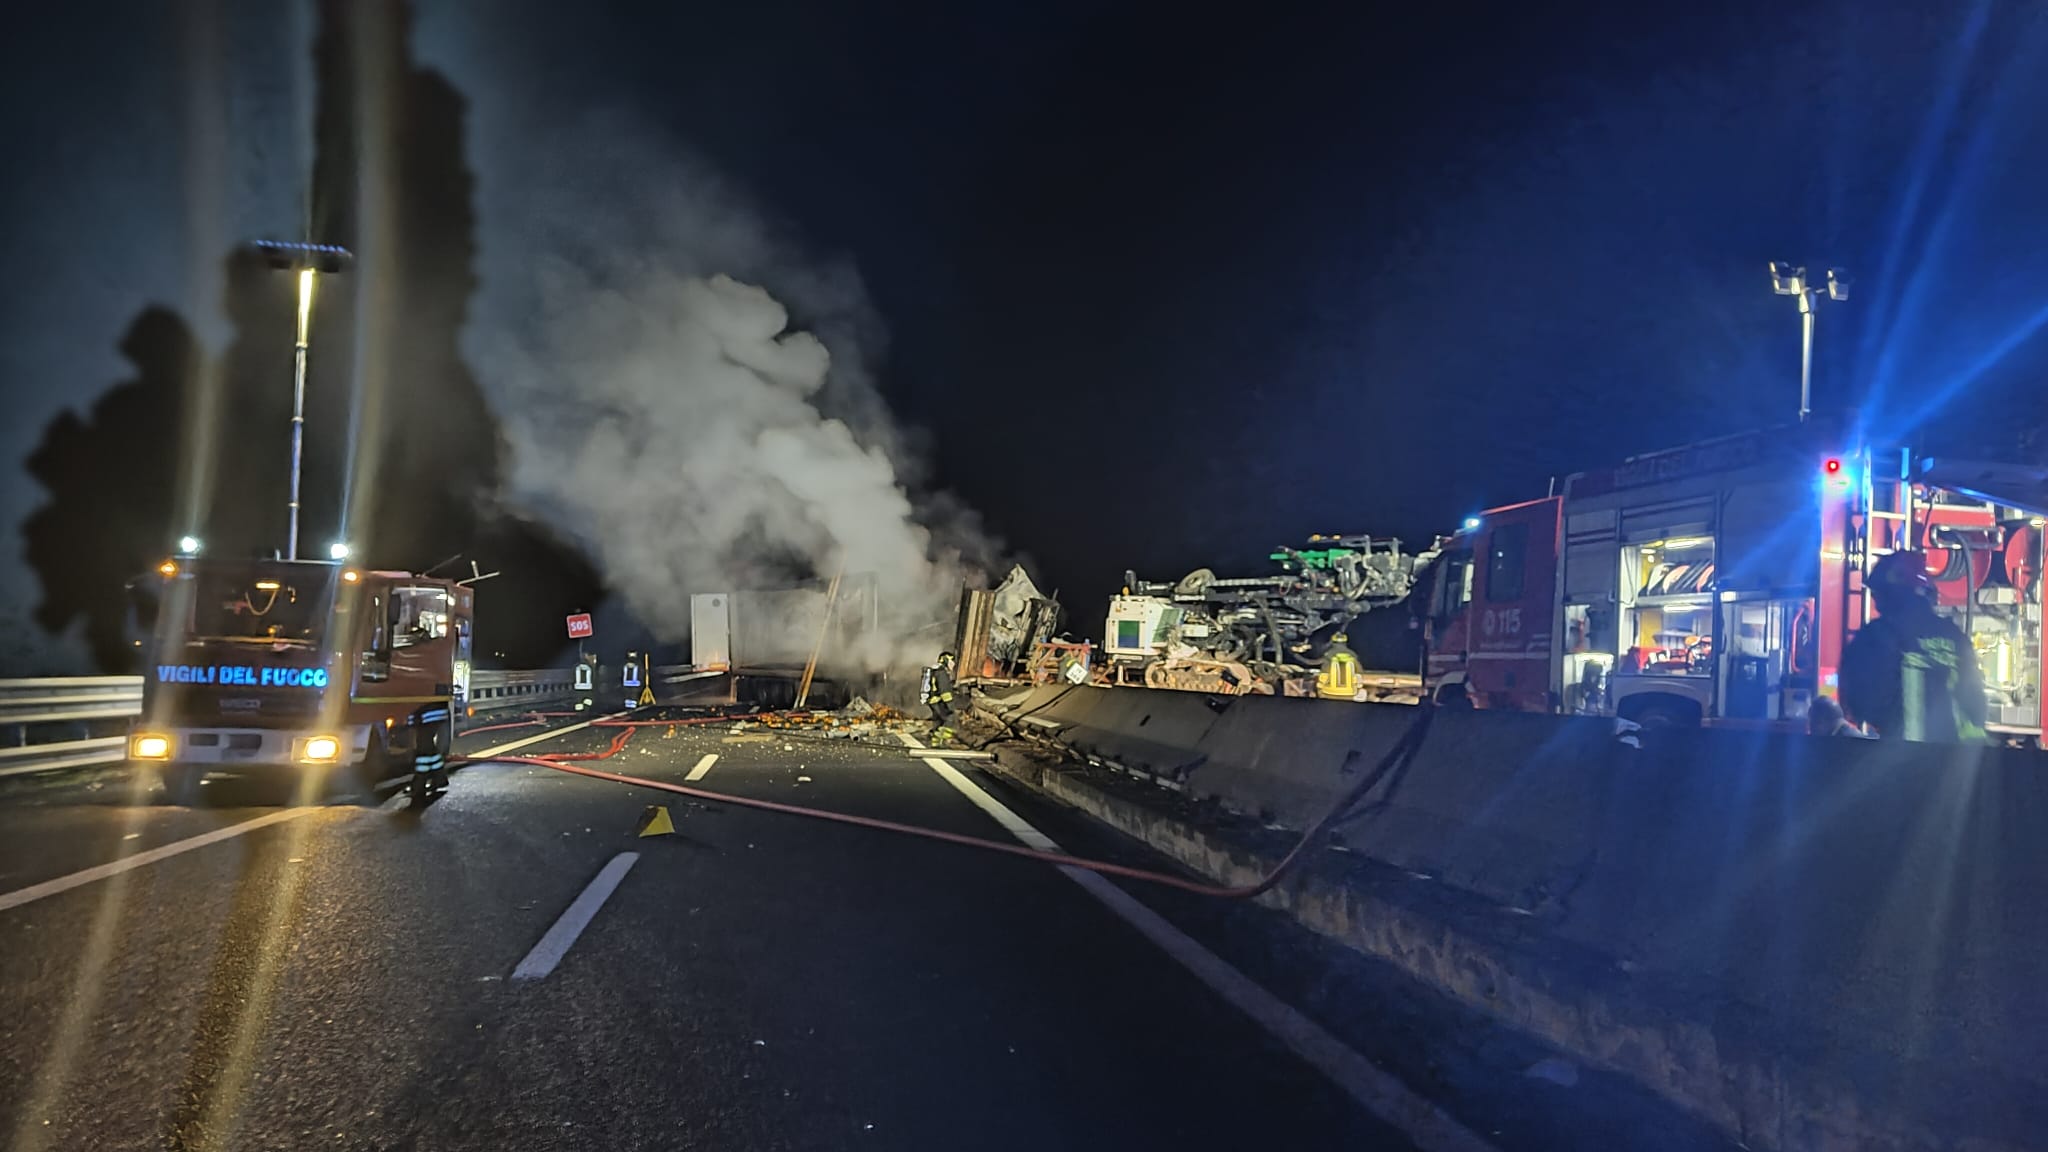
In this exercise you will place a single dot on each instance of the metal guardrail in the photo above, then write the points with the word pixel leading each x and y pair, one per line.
pixel 54 699
pixel 74 705
pixel 497 691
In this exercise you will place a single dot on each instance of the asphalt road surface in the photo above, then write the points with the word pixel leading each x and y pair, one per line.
pixel 512 967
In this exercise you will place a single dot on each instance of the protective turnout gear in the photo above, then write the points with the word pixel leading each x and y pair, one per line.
pixel 1910 674
pixel 1900 573
pixel 430 735
pixel 938 695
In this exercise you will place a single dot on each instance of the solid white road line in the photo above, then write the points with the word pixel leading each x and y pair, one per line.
pixel 556 943
pixel 396 802
pixel 1375 1090
pixel 20 896
pixel 550 734
pixel 34 892
pixel 703 766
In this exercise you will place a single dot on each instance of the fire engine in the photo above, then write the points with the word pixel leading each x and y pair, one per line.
pixel 1720 582
pixel 298 665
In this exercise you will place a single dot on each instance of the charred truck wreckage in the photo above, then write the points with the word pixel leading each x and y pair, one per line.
pixel 1271 634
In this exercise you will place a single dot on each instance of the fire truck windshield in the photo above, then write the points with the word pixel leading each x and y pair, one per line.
pixel 275 605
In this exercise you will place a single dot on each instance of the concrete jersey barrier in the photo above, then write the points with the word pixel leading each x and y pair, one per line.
pixel 1830 895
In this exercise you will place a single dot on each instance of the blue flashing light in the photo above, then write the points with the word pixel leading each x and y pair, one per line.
pixel 1471 523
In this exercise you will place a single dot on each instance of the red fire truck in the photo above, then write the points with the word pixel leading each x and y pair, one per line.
pixel 296 666
pixel 1720 582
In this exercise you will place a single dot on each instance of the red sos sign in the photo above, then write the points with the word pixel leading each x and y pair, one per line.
pixel 579 626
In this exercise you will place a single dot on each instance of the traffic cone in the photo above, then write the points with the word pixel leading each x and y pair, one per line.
pixel 655 822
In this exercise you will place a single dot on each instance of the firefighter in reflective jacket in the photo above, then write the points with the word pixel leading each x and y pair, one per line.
pixel 938 695
pixel 431 736
pixel 1910 674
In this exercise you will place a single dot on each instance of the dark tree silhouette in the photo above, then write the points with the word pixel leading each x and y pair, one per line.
pixel 111 492
pixel 401 447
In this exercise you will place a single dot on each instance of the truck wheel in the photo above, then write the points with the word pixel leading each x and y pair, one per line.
pixel 1454 697
pixel 181 783
pixel 379 762
pixel 1664 715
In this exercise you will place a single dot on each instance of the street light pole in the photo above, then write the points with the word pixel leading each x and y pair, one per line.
pixel 1787 280
pixel 299 403
pixel 1806 313
pixel 308 260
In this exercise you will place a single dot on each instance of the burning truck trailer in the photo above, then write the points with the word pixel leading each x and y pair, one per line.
pixel 1267 635
pixel 818 645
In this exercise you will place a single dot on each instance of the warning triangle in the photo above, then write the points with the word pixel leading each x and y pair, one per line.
pixel 647 696
pixel 655 822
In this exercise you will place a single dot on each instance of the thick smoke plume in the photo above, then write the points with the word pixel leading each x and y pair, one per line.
pixel 665 410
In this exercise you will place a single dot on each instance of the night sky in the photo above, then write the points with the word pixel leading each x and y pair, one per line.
pixel 1162 292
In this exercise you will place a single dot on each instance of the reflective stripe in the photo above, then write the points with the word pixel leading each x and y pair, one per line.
pixel 1912 700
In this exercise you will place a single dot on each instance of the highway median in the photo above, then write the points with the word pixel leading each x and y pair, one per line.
pixel 1755 928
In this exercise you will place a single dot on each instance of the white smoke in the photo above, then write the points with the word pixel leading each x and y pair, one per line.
pixel 662 409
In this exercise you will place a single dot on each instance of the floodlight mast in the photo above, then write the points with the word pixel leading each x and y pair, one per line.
pixel 306 261
pixel 1790 280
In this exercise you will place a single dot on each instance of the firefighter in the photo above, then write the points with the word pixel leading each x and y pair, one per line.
pixel 938 695
pixel 1339 678
pixel 430 732
pixel 1910 674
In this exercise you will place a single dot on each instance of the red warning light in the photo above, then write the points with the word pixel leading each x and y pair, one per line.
pixel 1833 466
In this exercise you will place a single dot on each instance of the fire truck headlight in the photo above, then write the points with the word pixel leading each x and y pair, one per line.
pixel 321 750
pixel 150 747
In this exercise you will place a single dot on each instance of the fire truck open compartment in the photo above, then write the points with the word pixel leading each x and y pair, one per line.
pixel 1980 529
pixel 1725 579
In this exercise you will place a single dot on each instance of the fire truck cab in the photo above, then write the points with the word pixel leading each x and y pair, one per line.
pixel 1488 639
pixel 1720 582
pixel 295 666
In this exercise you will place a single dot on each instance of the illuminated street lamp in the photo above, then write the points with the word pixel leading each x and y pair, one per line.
pixel 337 551
pixel 308 260
pixel 188 545
pixel 1787 280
